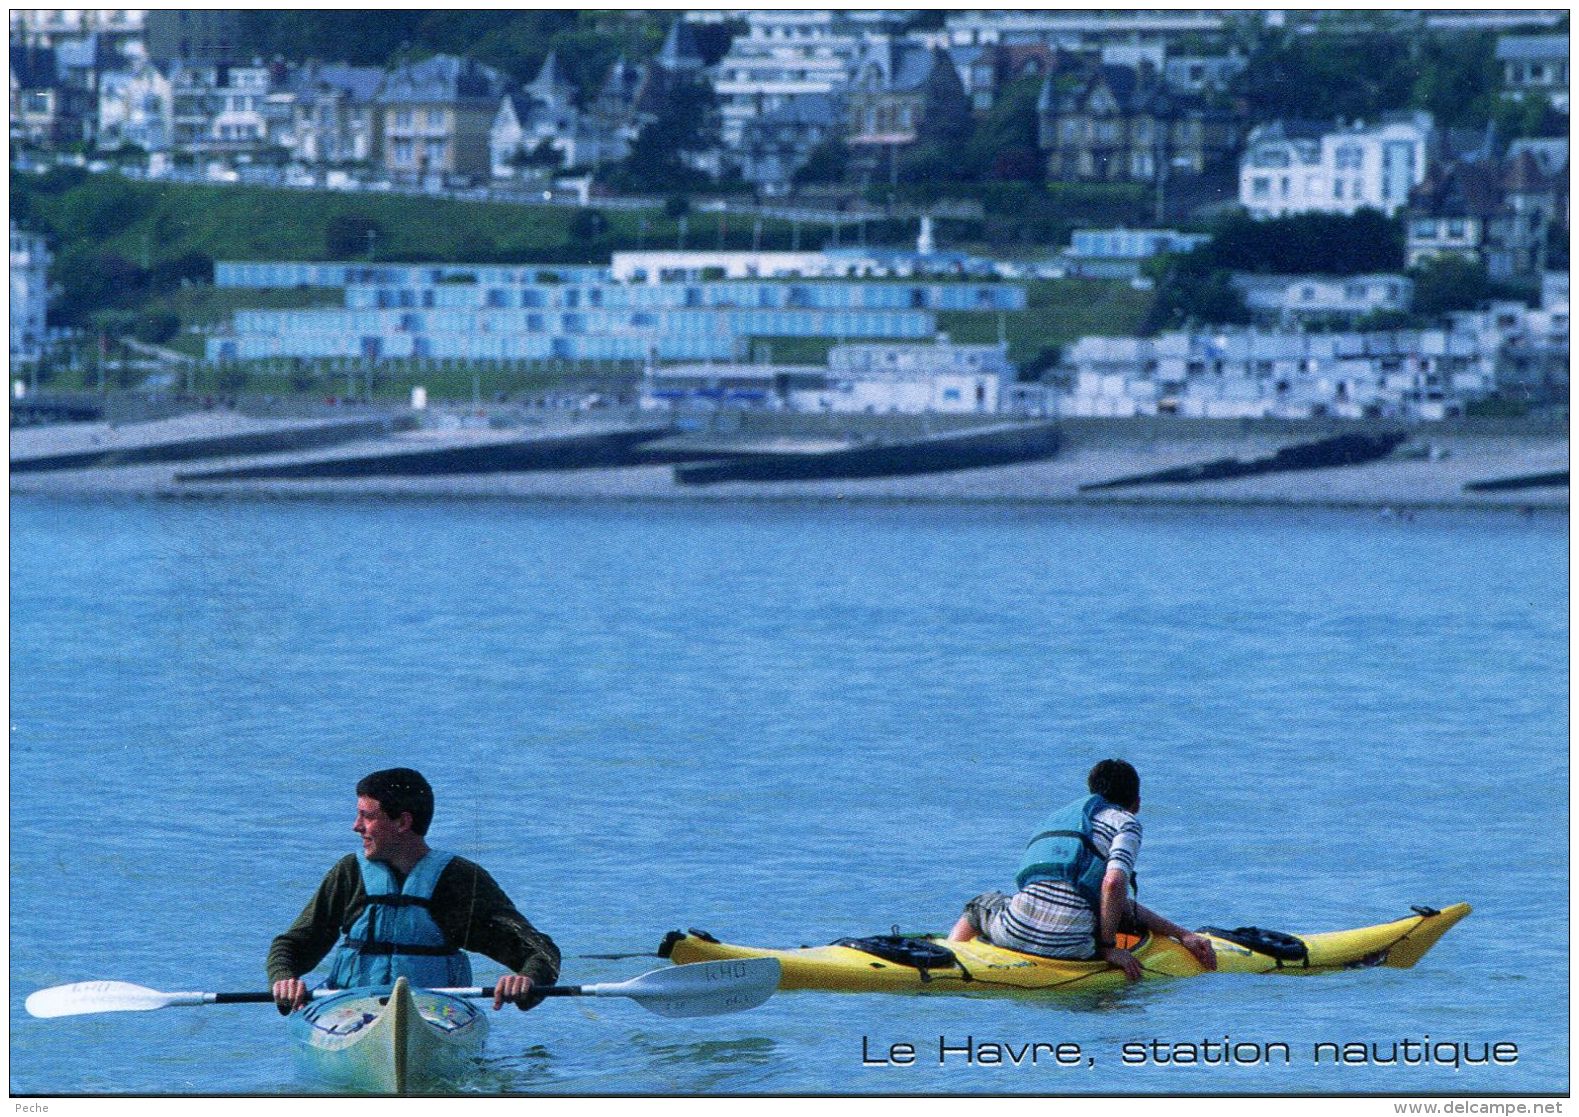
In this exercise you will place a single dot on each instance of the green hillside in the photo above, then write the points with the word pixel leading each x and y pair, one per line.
pixel 135 258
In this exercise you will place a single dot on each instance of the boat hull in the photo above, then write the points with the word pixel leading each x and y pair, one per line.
pixel 388 1040
pixel 980 969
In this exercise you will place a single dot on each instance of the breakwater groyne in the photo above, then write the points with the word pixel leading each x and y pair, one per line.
pixel 969 448
pixel 445 455
pixel 97 445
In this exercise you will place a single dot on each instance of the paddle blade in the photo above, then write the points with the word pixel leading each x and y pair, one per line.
pixel 98 996
pixel 701 988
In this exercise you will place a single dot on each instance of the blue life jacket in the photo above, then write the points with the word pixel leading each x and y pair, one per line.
pixel 1063 849
pixel 394 935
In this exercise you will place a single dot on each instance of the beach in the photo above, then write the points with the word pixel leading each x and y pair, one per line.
pixel 1431 469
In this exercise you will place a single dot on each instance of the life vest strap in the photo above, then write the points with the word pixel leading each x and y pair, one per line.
pixel 1085 839
pixel 398 900
pixel 362 946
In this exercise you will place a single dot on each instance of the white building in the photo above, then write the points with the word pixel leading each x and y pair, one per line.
pixel 1287 170
pixel 1119 253
pixel 881 378
pixel 667 267
pixel 29 295
pixel 910 378
pixel 1235 374
pixel 1081 29
pixel 1291 299
pixel 136 106
pixel 124 30
pixel 220 109
pixel 784 54
pixel 1535 66
pixel 1531 345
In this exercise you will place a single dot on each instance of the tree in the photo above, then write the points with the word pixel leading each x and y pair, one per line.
pixel 683 126
pixel 1330 73
pixel 1191 292
pixel 101 207
pixel 825 165
pixel 1457 79
pixel 713 39
pixel 1530 117
pixel 545 154
pixel 1320 243
pixel 157 328
pixel 1004 143
pixel 189 267
pixel 1446 283
pixel 349 235
pixel 586 225
pixel 91 279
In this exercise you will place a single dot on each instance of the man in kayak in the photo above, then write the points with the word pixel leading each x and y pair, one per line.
pixel 401 908
pixel 1075 884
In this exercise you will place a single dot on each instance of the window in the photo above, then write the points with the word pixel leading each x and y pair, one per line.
pixel 1350 157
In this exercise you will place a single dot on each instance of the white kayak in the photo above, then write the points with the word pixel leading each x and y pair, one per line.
pixel 389 1041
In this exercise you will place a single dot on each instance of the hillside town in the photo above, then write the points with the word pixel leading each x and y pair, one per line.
pixel 839 120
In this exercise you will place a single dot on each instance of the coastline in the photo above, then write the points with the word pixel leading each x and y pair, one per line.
pixel 1430 471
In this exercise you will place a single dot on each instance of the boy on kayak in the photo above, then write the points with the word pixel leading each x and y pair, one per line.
pixel 401 908
pixel 1075 884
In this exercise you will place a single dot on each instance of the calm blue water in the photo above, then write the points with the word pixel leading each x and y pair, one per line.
pixel 788 724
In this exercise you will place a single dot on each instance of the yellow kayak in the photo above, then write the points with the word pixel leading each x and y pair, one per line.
pixel 927 964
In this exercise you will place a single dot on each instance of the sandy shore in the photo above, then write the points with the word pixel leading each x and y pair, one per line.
pixel 1430 471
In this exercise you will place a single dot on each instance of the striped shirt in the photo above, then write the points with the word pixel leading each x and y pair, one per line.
pixel 1050 917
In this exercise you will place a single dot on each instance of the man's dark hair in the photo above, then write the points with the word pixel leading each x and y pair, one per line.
pixel 399 790
pixel 1116 781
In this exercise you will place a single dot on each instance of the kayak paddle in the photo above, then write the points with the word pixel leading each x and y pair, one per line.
pixel 697 989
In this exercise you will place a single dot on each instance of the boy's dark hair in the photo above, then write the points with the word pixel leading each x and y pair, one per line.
pixel 399 790
pixel 1116 781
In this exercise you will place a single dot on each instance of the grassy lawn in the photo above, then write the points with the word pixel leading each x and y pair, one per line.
pixel 1058 311
pixel 157 221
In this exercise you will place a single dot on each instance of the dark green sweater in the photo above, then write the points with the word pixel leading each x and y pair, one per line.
pixel 469 907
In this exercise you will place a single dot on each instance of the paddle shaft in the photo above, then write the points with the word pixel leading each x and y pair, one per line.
pixel 254 998
pixel 701 989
